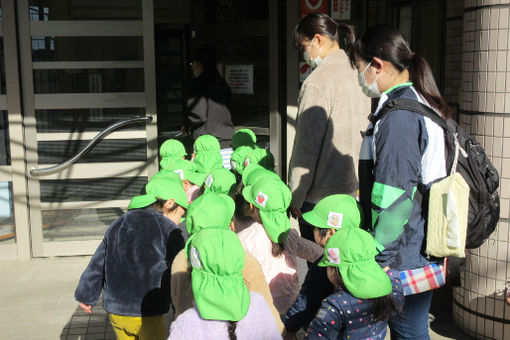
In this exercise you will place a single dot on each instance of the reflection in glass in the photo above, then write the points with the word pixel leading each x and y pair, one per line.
pixel 86 48
pixel 81 120
pixel 43 10
pixel 7 230
pixel 77 224
pixel 107 150
pixel 89 80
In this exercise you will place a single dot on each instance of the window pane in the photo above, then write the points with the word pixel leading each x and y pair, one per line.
pixel 43 10
pixel 7 230
pixel 77 224
pixel 107 150
pixel 89 80
pixel 91 189
pixel 2 67
pixel 5 151
pixel 82 120
pixel 86 48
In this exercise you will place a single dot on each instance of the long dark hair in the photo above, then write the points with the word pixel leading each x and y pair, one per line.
pixel 232 330
pixel 384 306
pixel 319 23
pixel 387 43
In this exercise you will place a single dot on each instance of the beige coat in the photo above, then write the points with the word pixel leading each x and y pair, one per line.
pixel 182 295
pixel 332 110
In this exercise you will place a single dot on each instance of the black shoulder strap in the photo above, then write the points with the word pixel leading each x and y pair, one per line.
pixel 409 105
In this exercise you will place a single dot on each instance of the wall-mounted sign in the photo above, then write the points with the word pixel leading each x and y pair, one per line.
pixel 304 71
pixel 341 9
pixel 313 6
pixel 239 78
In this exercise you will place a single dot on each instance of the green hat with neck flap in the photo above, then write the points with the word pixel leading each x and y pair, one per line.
pixel 272 197
pixel 217 260
pixel 221 181
pixel 353 251
pixel 211 210
pixel 171 150
pixel 243 137
pixel 335 211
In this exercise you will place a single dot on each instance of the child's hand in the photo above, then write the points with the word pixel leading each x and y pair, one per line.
pixel 386 269
pixel 295 212
pixel 86 308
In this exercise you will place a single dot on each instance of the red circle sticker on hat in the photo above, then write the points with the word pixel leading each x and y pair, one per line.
pixel 262 199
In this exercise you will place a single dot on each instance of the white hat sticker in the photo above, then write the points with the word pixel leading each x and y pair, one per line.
pixel 246 162
pixel 335 219
pixel 334 255
pixel 209 181
pixel 180 172
pixel 233 165
pixel 262 199
pixel 195 258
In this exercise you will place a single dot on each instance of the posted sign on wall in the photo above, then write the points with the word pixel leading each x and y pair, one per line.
pixel 313 6
pixel 239 78
pixel 341 9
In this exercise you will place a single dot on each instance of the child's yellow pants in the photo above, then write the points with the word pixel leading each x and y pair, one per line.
pixel 139 327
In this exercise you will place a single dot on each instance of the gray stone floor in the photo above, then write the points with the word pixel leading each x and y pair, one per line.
pixel 36 302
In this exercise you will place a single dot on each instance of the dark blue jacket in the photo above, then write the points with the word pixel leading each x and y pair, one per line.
pixel 405 155
pixel 132 265
pixel 315 288
pixel 342 316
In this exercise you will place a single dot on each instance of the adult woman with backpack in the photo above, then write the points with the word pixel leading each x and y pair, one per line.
pixel 402 154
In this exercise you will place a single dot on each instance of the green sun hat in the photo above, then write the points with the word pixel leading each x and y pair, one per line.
pixel 221 181
pixel 184 168
pixel 210 211
pixel 261 157
pixel 171 150
pixel 238 158
pixel 243 137
pixel 160 187
pixel 165 173
pixel 217 260
pixel 335 211
pixel 206 143
pixel 272 197
pixel 353 251
pixel 253 172
pixel 206 162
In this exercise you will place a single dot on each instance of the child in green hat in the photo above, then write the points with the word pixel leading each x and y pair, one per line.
pixel 270 239
pixel 131 266
pixel 214 211
pixel 220 181
pixel 331 214
pixel 170 151
pixel 224 308
pixel 365 297
pixel 243 137
pixel 238 158
pixel 261 157
pixel 207 146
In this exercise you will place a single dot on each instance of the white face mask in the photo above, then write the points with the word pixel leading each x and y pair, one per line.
pixel 371 90
pixel 308 58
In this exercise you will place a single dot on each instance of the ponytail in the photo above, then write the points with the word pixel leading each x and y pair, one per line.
pixel 346 37
pixel 232 330
pixel 388 44
pixel 319 23
pixel 423 81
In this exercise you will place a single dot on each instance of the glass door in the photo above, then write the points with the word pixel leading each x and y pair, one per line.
pixel 85 64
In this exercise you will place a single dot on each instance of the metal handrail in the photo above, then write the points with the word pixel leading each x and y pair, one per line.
pixel 115 126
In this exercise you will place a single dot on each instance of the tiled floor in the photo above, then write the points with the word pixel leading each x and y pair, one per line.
pixel 36 302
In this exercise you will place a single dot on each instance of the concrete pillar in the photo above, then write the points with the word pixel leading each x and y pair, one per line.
pixel 479 306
